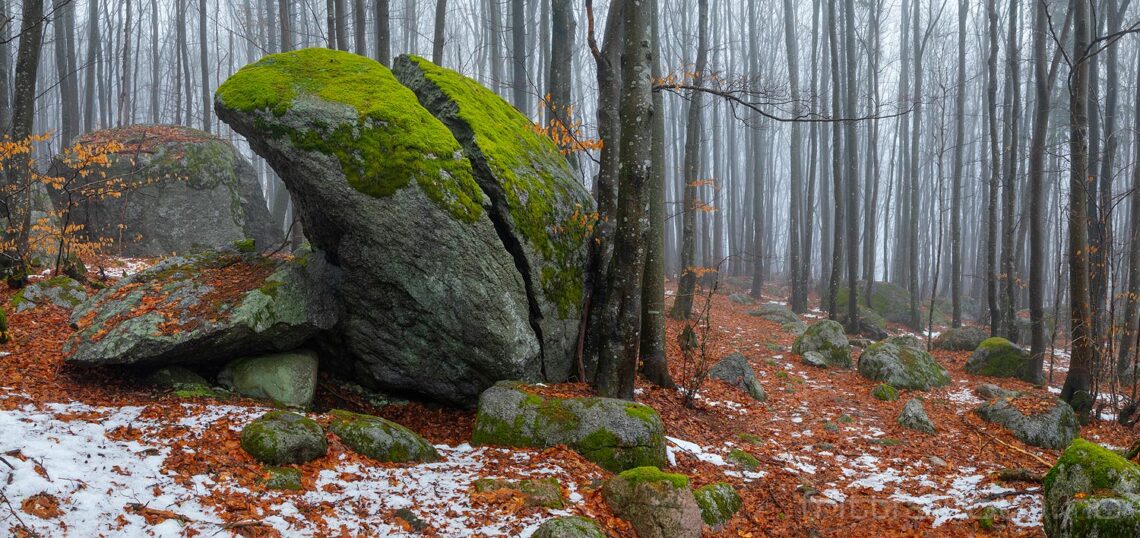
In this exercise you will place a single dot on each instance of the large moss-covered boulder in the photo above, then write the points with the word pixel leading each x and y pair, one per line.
pixel 62 291
pixel 463 258
pixel 284 438
pixel 615 434
pixel 380 439
pixel 735 370
pixel 1092 491
pixel 170 189
pixel 902 366
pixel 206 308
pixel 289 379
pixel 960 339
pixel 997 357
pixel 827 338
pixel 569 527
pixel 774 312
pixel 1037 421
pixel 657 504
pixel 718 502
pixel 892 303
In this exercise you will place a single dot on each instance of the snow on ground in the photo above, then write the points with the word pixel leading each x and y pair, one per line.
pixel 64 451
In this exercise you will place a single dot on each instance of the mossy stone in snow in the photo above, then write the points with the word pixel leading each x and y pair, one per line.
pixel 885 392
pixel 569 527
pixel 718 502
pixel 536 492
pixel 657 504
pixel 289 379
pixel 380 439
pixel 828 339
pixel 742 459
pixel 774 312
pixel 615 434
pixel 282 438
pixel 997 357
pixel 902 366
pixel 1092 491
pixel 286 478
pixel 1054 428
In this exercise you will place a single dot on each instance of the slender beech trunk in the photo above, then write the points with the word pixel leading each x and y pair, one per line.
pixel 1124 363
pixel 1034 369
pixel 383 24
pixel 851 151
pixel 956 187
pixel 439 32
pixel 995 163
pixel 359 27
pixel 520 90
pixel 791 39
pixel 836 165
pixel 204 61
pixel 1012 106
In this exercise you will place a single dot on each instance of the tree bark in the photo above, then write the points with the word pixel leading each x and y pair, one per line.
pixel 521 89
pixel 204 61
pixel 440 28
pixel 1034 369
pixel 798 299
pixel 995 160
pixel 1124 366
pixel 383 32
pixel 956 187
pixel 359 27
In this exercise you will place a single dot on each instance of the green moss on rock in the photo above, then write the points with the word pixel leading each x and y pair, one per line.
pixel 380 439
pixel 569 527
pixel 537 492
pixel 743 459
pixel 885 392
pixel 638 475
pixel 902 366
pixel 282 438
pixel 285 478
pixel 1092 491
pixel 997 357
pixel 718 502
pixel 828 339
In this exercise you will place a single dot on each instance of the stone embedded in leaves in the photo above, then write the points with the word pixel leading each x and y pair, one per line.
pixel 914 417
pixel 718 502
pixel 742 299
pixel 735 370
pixel 615 434
pixel 175 377
pixel 885 393
pixel 289 379
pixel 902 366
pixel 60 291
pixel 960 339
pixel 1091 491
pixel 774 312
pixel 989 391
pixel 536 492
pixel 1055 427
pixel 569 527
pixel 997 357
pixel 283 438
pixel 827 338
pixel 286 478
pixel 657 504
pixel 814 358
pixel 380 439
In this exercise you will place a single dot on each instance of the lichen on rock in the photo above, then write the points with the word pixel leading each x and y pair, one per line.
pixel 380 439
pixel 1091 491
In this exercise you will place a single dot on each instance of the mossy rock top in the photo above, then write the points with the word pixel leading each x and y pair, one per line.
pixel 615 434
pixel 902 366
pixel 282 438
pixel 1092 491
pixel 997 357
pixel 718 502
pixel 381 439
pixel 569 527
pixel 393 141
pixel 1055 427
pixel 960 339
pixel 828 339
pixel 656 503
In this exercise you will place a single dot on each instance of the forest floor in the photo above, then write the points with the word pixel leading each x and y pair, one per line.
pixel 99 453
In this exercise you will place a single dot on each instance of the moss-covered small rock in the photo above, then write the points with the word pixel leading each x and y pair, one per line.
pixel 1092 491
pixel 380 439
pixel 569 527
pixel 774 312
pixel 914 417
pixel 718 502
pixel 286 478
pixel 989 391
pixel 828 339
pixel 61 291
pixel 997 357
pixel 902 366
pixel 657 504
pixel 735 370
pixel 742 299
pixel 536 492
pixel 960 339
pixel 885 393
pixel 743 459
pixel 1055 427
pixel 283 438
pixel 289 379
pixel 615 434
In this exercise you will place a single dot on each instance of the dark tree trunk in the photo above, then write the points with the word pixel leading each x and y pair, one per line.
pixel 383 32
pixel 520 92
pixel 956 187
pixel 440 28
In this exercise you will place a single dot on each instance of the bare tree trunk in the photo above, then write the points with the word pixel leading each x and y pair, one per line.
pixel 340 21
pixel 359 27
pixel 155 66
pixel 440 28
pixel 798 299
pixel 204 60
pixel 383 32
pixel 1012 106
pixel 995 160
pixel 1132 297
pixel 5 75
pixel 65 70
pixel 561 62
pixel 286 25
pixel 851 151
pixel 93 53
pixel 836 166
pixel 23 117
pixel 520 92
pixel 1038 228
pixel 956 187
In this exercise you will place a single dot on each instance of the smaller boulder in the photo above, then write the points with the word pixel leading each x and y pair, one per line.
pixel 989 391
pixel 283 438
pixel 742 299
pixel 827 338
pixel 884 392
pixel 64 292
pixel 1091 491
pixel 774 312
pixel 742 459
pixel 289 379
pixel 960 339
pixel 286 478
pixel 536 493
pixel 871 324
pixel 569 527
pixel 177 377
pixel 997 357
pixel 1053 425
pixel 796 327
pixel 902 366
pixel 914 417
pixel 718 503
pixel 814 358
pixel 380 439
pixel 735 370
pixel 657 504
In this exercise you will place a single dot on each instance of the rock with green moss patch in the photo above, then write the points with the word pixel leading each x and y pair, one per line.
pixel 380 439
pixel 735 370
pixel 902 366
pixel 988 517
pixel 657 504
pixel 569 527
pixel 989 391
pixel 286 478
pixel 289 379
pixel 960 339
pixel 871 324
pixel 183 190
pixel 1091 491
pixel 718 503
pixel 743 459
pixel 615 434
pixel 914 417
pixel 284 438
pixel 1052 425
pixel 828 339
pixel 536 492
pixel 796 327
pixel 997 357
pixel 452 281
pixel 175 312
pixel 774 312
pixel 60 291
pixel 884 392
pixel 814 358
